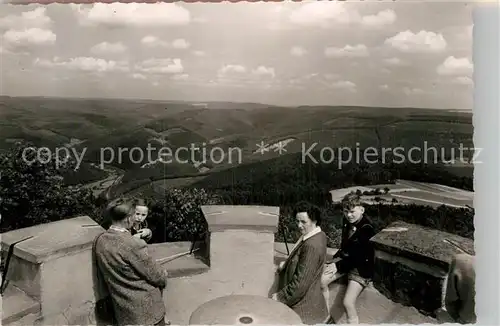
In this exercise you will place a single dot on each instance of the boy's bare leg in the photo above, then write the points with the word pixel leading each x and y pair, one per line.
pixel 353 291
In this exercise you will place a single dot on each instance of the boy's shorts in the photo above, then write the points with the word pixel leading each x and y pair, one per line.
pixel 328 277
pixel 354 276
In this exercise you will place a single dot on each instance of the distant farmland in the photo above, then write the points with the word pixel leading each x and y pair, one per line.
pixel 411 192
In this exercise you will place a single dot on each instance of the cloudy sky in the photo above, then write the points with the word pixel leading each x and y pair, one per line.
pixel 332 53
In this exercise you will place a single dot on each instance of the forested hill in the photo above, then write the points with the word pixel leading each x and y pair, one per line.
pixel 288 178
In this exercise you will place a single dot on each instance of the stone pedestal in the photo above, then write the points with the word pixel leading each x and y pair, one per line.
pixel 412 262
pixel 54 266
pixel 241 247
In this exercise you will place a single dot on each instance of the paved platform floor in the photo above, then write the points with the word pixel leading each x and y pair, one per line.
pixel 373 307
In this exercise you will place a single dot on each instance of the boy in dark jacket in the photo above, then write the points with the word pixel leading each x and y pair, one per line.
pixel 355 256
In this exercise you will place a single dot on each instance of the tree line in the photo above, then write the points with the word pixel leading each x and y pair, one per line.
pixel 36 193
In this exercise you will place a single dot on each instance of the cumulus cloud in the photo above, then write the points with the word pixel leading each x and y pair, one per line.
pixel 104 48
pixel 30 36
pixel 153 42
pixel 264 71
pixel 117 14
pixel 160 66
pixel 420 42
pixel 322 14
pixel 328 13
pixel 455 66
pixel 345 85
pixel 328 80
pixel 235 75
pixel 359 50
pixel 28 19
pixel 86 64
pixel 232 69
pixel 382 18
pixel 180 44
pixel 298 51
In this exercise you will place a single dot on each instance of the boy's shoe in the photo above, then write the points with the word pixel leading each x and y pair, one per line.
pixel 329 320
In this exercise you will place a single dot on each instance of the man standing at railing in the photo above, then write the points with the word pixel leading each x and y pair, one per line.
pixel 135 282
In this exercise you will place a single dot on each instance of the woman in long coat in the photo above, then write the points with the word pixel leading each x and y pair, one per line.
pixel 300 275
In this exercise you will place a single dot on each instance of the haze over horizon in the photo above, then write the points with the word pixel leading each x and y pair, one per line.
pixel 124 98
pixel 397 54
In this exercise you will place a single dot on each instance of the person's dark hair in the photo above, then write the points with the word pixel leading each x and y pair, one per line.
pixel 351 200
pixel 139 202
pixel 118 209
pixel 313 211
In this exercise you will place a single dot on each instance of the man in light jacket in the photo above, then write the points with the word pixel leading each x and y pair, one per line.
pixel 134 281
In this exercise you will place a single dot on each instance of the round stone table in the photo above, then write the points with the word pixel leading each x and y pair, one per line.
pixel 244 310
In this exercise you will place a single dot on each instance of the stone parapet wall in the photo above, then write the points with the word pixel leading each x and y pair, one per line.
pixel 412 262
pixel 406 282
pixel 241 240
pixel 53 262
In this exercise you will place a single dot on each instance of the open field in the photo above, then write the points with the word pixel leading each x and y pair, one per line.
pixel 411 192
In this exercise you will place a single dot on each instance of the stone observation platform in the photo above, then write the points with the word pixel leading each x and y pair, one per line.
pixel 51 280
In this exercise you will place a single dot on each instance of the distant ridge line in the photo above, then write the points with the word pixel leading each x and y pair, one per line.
pixel 298 106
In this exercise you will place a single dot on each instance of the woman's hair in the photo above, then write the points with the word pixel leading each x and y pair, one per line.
pixel 313 211
pixel 118 209
pixel 351 200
